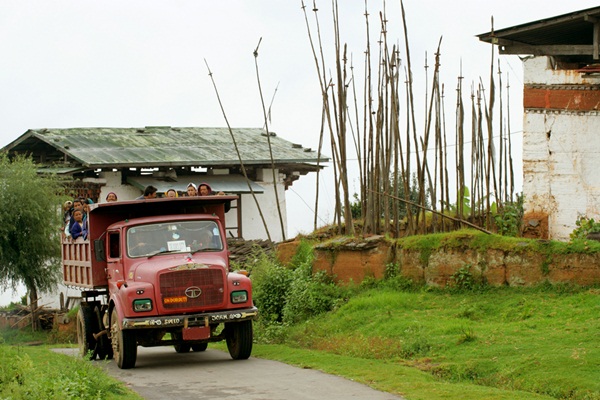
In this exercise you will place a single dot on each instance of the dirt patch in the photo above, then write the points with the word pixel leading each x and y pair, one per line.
pixel 535 225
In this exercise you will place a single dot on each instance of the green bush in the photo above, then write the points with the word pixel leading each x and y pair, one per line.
pixel 271 285
pixel 309 295
pixel 463 280
pixel 287 295
pixel 585 226
pixel 270 332
pixel 509 218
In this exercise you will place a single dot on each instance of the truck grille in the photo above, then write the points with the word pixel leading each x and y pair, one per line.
pixel 173 286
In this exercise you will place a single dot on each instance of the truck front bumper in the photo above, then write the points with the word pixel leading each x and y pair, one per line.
pixel 190 320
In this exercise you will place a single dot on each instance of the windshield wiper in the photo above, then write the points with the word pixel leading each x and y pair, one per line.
pixel 205 249
pixel 163 252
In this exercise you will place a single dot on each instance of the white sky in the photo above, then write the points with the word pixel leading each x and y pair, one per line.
pixel 138 63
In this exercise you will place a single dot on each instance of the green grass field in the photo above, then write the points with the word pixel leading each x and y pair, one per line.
pixel 496 344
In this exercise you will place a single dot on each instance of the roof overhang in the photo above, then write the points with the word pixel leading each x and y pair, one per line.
pixel 574 34
pixel 235 184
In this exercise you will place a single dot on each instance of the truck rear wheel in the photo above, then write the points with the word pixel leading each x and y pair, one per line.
pixel 87 325
pixel 124 344
pixel 200 347
pixel 103 347
pixel 182 347
pixel 239 339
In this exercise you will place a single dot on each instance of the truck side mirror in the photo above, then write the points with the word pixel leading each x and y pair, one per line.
pixel 99 250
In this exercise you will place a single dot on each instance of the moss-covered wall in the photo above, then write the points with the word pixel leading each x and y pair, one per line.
pixel 435 259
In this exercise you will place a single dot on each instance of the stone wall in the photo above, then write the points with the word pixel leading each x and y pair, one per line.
pixel 499 268
pixel 353 261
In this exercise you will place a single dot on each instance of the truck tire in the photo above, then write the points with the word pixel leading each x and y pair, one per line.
pixel 104 349
pixel 200 347
pixel 239 339
pixel 124 344
pixel 87 325
pixel 182 347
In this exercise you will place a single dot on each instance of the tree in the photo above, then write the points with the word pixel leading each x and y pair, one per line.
pixel 30 219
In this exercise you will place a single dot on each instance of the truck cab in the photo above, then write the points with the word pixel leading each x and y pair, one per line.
pixel 156 273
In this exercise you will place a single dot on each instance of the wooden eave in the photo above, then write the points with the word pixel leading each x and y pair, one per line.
pixel 573 34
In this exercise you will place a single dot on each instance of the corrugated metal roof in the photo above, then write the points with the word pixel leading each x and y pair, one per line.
pixel 230 184
pixel 58 170
pixel 165 146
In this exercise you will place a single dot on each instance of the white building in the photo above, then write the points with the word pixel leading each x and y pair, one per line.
pixel 561 126
pixel 126 160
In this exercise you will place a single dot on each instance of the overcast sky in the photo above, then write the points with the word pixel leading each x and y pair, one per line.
pixel 139 63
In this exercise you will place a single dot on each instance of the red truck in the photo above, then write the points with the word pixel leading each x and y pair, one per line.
pixel 156 273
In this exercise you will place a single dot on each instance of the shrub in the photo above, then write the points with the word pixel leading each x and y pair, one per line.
pixel 287 295
pixel 463 279
pixel 585 226
pixel 310 295
pixel 509 218
pixel 271 284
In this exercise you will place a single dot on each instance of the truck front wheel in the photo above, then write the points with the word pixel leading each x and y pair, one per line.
pixel 124 344
pixel 86 327
pixel 239 339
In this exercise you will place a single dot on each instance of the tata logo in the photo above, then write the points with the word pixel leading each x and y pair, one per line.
pixel 193 292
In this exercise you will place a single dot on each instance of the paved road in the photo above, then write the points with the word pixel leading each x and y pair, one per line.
pixel 161 373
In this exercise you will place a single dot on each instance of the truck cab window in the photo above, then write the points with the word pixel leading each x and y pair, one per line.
pixel 114 247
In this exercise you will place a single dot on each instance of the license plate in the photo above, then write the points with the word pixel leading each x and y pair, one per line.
pixel 196 333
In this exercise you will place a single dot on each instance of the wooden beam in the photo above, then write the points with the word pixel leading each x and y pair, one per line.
pixel 596 35
pixel 596 40
pixel 548 50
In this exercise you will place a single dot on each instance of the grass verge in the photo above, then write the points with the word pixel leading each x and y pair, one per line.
pixel 505 343
pixel 35 372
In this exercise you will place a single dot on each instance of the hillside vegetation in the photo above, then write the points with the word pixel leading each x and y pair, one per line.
pixel 464 341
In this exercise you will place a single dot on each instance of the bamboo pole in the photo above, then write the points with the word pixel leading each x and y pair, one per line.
pixel 441 214
pixel 210 74
pixel 274 177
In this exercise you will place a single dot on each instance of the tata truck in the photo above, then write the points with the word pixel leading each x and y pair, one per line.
pixel 156 273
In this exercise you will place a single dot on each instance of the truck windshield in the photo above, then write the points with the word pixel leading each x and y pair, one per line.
pixel 173 237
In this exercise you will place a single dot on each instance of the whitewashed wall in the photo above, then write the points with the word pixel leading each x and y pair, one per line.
pixel 561 155
pixel 253 227
pixel 52 299
pixel 112 183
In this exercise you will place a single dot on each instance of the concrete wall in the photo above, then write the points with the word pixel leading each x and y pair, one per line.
pixel 561 146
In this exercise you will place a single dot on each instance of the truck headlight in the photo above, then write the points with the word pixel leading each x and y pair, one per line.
pixel 140 305
pixel 239 296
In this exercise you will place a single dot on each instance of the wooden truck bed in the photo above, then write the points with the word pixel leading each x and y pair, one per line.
pixel 77 264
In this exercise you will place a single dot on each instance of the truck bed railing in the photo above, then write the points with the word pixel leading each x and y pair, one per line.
pixel 77 263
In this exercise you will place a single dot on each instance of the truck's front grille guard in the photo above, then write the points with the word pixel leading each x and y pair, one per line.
pixel 174 284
